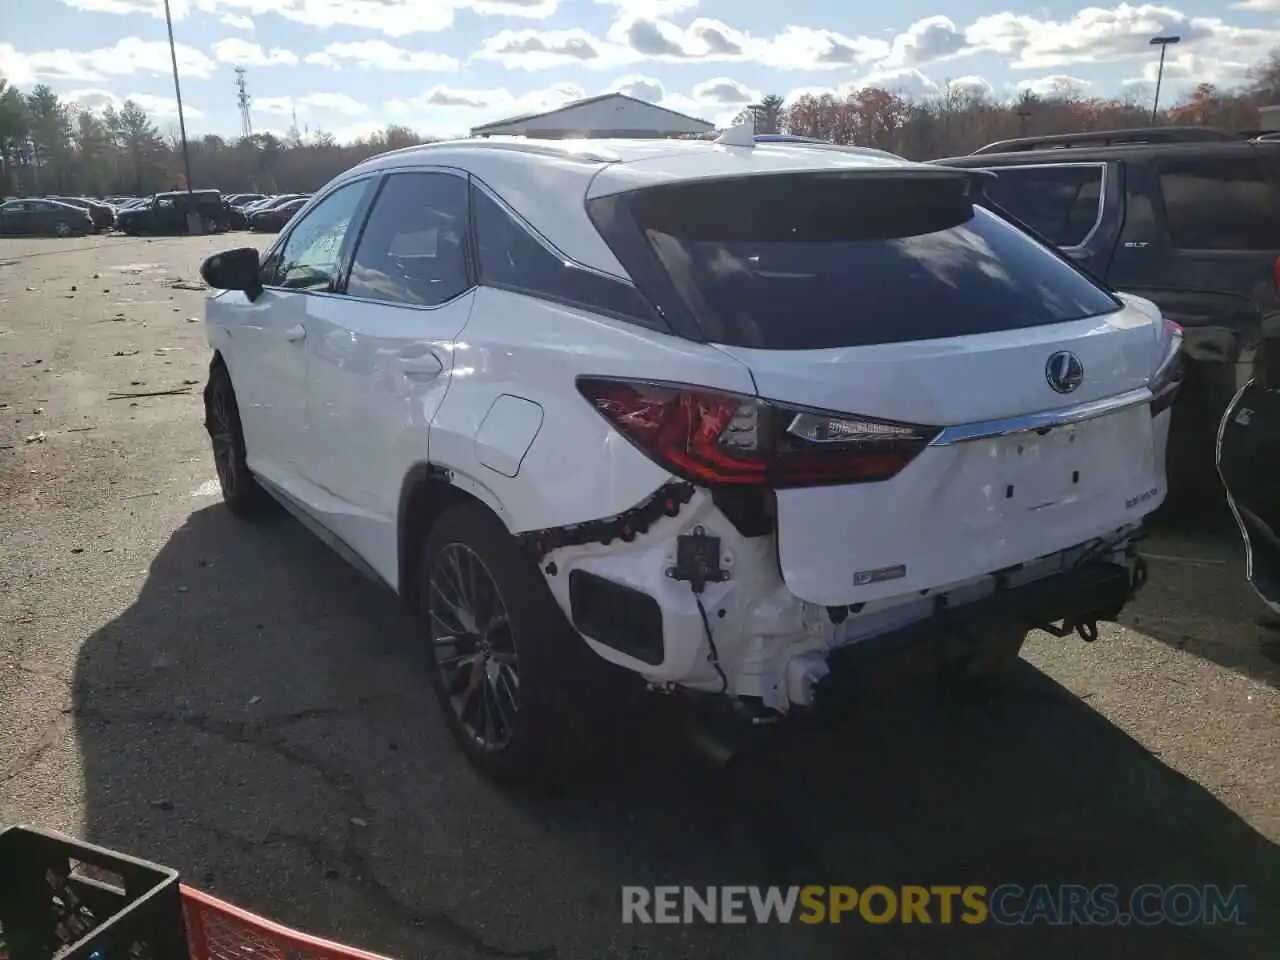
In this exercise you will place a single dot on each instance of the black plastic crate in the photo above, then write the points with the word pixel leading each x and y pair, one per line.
pixel 61 899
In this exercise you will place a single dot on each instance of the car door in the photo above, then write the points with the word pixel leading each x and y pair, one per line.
pixel 16 217
pixel 381 357
pixel 267 343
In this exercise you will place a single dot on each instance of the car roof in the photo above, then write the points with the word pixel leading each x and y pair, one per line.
pixel 1098 154
pixel 547 181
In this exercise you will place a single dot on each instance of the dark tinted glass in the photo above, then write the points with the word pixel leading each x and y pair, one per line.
pixel 1061 203
pixel 815 262
pixel 412 248
pixel 513 259
pixel 1221 204
pixel 311 254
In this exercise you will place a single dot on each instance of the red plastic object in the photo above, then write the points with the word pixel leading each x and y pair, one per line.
pixel 219 931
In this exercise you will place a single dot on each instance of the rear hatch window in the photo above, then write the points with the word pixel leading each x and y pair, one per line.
pixel 815 261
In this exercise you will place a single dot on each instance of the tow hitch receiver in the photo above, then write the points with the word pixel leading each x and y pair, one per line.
pixel 1074 598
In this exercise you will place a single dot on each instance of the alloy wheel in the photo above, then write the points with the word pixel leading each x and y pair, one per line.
pixel 474 647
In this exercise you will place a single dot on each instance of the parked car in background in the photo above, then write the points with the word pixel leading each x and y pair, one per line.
pixel 1188 217
pixel 238 206
pixel 1248 453
pixel 38 217
pixel 707 416
pixel 102 214
pixel 272 219
pixel 166 213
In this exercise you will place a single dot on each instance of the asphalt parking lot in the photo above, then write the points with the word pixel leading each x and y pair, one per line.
pixel 233 701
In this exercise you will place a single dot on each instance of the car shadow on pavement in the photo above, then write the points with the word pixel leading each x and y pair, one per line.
pixel 260 720
pixel 1199 600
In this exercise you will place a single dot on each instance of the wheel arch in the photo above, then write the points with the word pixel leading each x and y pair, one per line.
pixel 427 491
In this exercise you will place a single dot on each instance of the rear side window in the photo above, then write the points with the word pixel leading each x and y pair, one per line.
pixel 512 258
pixel 818 261
pixel 1221 204
pixel 1061 203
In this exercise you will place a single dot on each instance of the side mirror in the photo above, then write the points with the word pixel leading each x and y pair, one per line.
pixel 234 270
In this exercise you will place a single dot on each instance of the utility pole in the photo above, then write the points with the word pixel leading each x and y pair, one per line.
pixel 243 101
pixel 192 217
pixel 1162 43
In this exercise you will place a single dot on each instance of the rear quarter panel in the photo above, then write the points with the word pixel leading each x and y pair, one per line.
pixel 578 468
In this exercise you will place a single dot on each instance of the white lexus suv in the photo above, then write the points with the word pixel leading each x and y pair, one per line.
pixel 712 413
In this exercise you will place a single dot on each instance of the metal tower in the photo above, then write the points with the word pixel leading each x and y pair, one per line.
pixel 243 99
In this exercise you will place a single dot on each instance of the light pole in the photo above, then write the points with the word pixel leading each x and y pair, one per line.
pixel 1162 43
pixel 192 216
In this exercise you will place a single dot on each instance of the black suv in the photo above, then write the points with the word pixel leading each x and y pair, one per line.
pixel 1187 217
pixel 167 213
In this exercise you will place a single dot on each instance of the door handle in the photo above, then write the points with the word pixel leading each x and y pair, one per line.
pixel 425 366
pixel 296 333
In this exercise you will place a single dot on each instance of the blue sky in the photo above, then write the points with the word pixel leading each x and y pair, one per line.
pixel 441 66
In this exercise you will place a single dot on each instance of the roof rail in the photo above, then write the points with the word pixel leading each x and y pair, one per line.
pixel 1110 138
pixel 786 138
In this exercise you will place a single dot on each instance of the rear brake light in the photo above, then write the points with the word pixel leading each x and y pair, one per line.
pixel 1169 373
pixel 713 438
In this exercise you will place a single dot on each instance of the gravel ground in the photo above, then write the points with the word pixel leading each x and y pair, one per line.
pixel 233 701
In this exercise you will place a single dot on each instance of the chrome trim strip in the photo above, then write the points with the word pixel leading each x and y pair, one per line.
pixel 1102 193
pixel 1040 422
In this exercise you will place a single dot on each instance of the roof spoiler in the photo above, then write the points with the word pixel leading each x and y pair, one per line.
pixel 1110 138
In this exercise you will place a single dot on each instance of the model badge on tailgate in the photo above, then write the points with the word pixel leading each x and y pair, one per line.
pixel 864 577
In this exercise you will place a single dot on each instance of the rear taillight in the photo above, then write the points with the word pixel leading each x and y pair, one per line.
pixel 1168 376
pixel 715 439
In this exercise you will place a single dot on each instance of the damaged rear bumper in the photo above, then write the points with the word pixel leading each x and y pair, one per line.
pixel 1072 601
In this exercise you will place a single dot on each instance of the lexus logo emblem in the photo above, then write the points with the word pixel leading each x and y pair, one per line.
pixel 1064 371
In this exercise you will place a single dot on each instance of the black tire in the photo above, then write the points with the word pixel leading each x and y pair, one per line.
pixel 63 229
pixel 541 740
pixel 241 492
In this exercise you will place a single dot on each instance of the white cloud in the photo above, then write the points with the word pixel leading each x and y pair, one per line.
pixel 378 54
pixel 927 41
pixel 971 86
pixel 702 39
pixel 802 48
pixel 395 18
pixel 127 56
pixel 243 53
pixel 497 102
pixel 650 8
pixel 96 100
pixel 1055 85
pixel 537 50
pixel 722 91
pixel 153 7
pixel 1098 35
pixel 237 21
pixel 1262 6
pixel 905 82
pixel 1187 67
pixel 311 102
pixel 164 106
pixel 649 89
pixel 359 130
